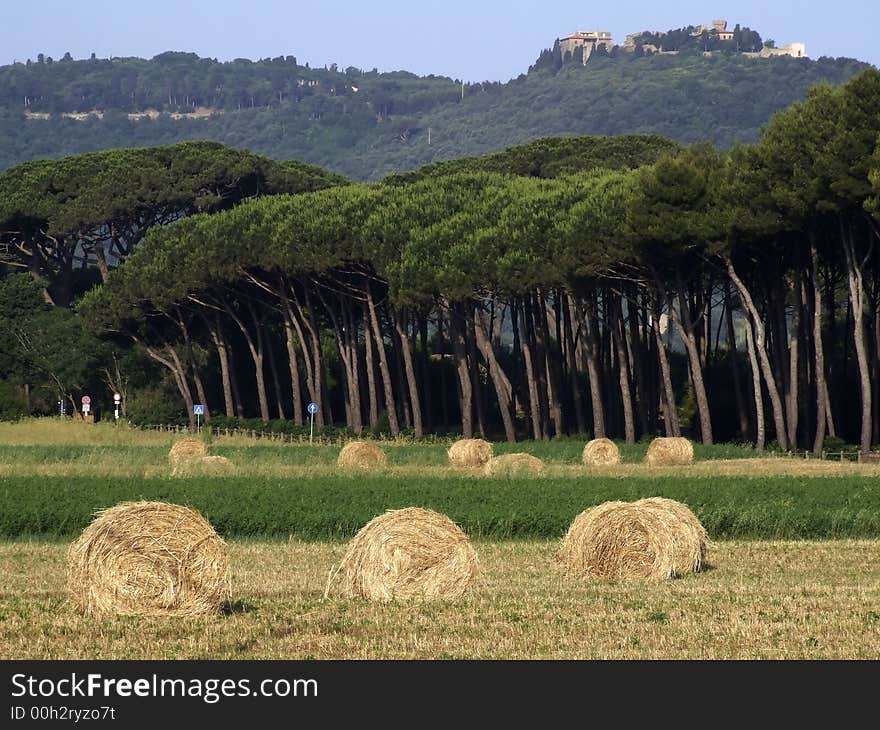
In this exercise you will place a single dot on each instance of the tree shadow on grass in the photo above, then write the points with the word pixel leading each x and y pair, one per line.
pixel 232 608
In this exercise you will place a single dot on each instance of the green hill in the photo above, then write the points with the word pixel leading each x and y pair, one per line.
pixel 367 124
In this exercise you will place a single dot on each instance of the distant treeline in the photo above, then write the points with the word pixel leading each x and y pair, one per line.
pixel 367 124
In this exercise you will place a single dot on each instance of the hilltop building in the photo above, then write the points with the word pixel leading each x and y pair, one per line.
pixel 795 50
pixel 587 40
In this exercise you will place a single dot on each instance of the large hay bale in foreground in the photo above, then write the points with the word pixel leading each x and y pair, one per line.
pixel 149 559
pixel 619 540
pixel 216 466
pixel 670 451
pixel 409 553
pixel 601 452
pixel 690 537
pixel 470 453
pixel 361 455
pixel 519 464
pixel 186 453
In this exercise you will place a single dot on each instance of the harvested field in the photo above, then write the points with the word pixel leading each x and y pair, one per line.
pixel 767 600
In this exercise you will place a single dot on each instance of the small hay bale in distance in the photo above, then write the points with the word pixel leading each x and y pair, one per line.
pixel 410 553
pixel 365 455
pixel 470 453
pixel 601 452
pixel 690 537
pixel 148 559
pixel 620 541
pixel 670 451
pixel 186 453
pixel 216 466
pixel 519 464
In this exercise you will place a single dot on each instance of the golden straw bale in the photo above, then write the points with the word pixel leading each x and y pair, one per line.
pixel 519 464
pixel 691 539
pixel 409 553
pixel 216 465
pixel 361 455
pixel 149 559
pixel 619 540
pixel 601 452
pixel 470 453
pixel 672 451
pixel 185 454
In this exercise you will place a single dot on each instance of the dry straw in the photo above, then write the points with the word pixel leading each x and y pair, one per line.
pixel 689 535
pixel 470 453
pixel 185 454
pixel 601 452
pixel 149 559
pixel 361 455
pixel 672 451
pixel 619 540
pixel 216 465
pixel 515 465
pixel 410 553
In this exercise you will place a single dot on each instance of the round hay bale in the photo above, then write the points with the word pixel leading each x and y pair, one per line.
pixel 216 465
pixel 470 453
pixel 361 455
pixel 691 538
pixel 601 452
pixel 409 553
pixel 186 453
pixel 519 464
pixel 671 451
pixel 619 540
pixel 148 559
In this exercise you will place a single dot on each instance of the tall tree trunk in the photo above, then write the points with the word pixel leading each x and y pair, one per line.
pixel 760 435
pixel 354 387
pixel 372 395
pixel 531 380
pixel 686 330
pixel 400 322
pixel 255 346
pixel 763 358
pixel 670 413
pixel 591 350
pixel 617 337
pixel 567 305
pixel 637 358
pixel 456 327
pixel 734 365
pixel 220 343
pixel 550 362
pixel 791 397
pixel 293 366
pixel 390 404
pixel 276 382
pixel 857 302
pixel 500 381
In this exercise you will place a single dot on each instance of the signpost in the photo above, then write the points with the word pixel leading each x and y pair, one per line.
pixel 86 404
pixel 117 399
pixel 312 408
pixel 198 412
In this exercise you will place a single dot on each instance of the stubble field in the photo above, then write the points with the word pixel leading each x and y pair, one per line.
pixel 794 569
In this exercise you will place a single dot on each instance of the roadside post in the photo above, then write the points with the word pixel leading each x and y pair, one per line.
pixel 86 406
pixel 198 412
pixel 117 399
pixel 312 408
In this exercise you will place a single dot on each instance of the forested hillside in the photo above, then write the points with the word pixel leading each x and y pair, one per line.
pixel 367 124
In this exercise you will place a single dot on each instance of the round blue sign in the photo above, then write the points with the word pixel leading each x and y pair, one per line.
pixel 312 408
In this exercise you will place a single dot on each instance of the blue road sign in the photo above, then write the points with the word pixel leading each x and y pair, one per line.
pixel 312 408
pixel 198 410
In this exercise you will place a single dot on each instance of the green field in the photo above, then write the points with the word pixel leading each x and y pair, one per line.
pixel 330 506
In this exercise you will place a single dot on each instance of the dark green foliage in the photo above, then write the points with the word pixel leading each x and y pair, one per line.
pixel 336 507
pixel 383 127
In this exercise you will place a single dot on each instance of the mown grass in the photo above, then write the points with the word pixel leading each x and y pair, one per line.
pixel 760 600
pixel 329 505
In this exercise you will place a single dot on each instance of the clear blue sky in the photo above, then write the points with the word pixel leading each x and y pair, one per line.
pixel 474 41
